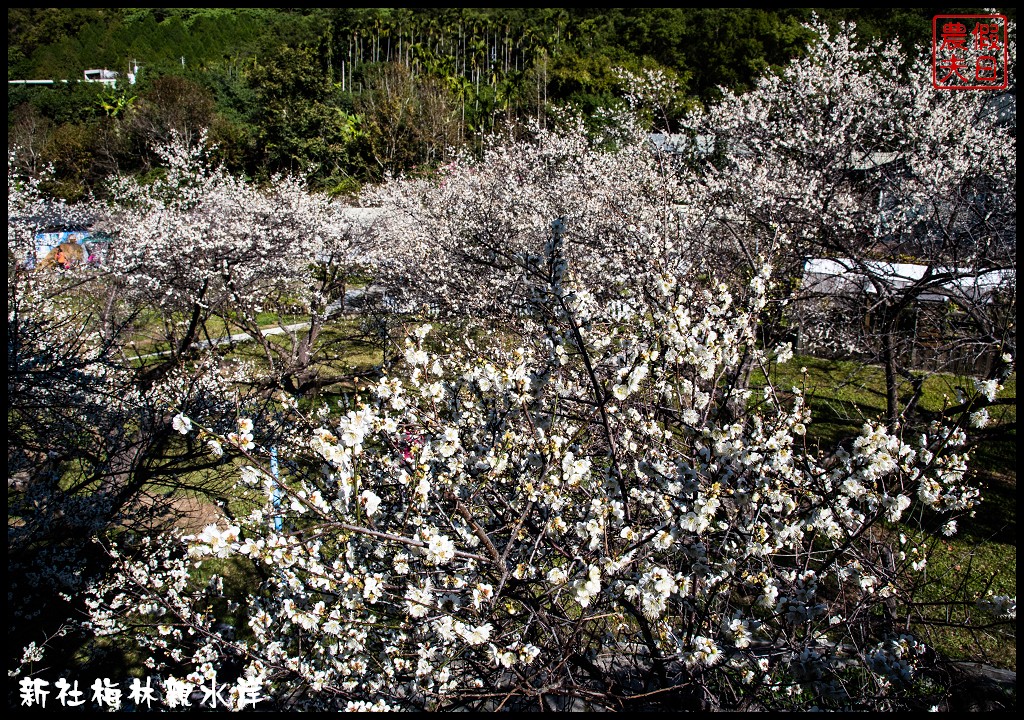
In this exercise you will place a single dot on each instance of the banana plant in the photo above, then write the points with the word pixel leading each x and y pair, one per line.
pixel 114 102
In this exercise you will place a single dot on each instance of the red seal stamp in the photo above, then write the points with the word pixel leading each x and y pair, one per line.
pixel 969 52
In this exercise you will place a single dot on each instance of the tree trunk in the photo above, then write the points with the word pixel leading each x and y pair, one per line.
pixel 889 361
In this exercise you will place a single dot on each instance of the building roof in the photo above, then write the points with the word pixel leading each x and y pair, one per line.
pixel 1002 108
pixel 845 277
pixel 676 143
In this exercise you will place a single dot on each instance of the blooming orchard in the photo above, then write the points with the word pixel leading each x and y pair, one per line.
pixel 849 154
pixel 199 244
pixel 590 507
pixel 540 529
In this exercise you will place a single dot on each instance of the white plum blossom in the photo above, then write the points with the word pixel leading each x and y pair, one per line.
pixel 439 548
pixel 476 635
pixel 214 541
pixel 370 502
pixel 556 576
pixel 182 424
pixel 1002 607
pixel 588 587
pixel 418 600
pixel 988 388
pixel 215 447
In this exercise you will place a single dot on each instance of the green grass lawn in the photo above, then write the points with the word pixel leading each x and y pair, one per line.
pixel 982 557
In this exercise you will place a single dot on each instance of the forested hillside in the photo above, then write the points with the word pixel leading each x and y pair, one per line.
pixel 345 95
